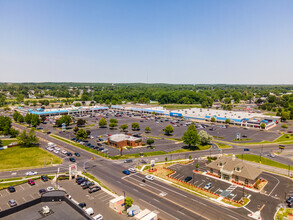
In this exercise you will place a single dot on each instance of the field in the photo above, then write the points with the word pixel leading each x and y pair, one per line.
pixel 5 142
pixel 265 161
pixel 26 157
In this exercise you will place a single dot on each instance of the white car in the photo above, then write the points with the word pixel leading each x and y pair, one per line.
pixel 57 148
pixel 149 177
pixel 208 186
pixel 31 173
pixel 132 170
pixel 98 217
pixel 50 188
pixel 64 152
pixel 56 151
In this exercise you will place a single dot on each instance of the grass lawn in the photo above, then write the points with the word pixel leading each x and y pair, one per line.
pixel 223 146
pixel 5 142
pixel 282 213
pixel 19 157
pixel 265 161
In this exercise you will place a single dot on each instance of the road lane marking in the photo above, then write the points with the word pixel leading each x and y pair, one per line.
pixel 158 208
pixel 156 200
pixel 128 175
pixel 171 201
pixel 181 212
pixel 199 202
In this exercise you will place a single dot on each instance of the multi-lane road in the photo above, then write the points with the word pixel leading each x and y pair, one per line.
pixel 169 201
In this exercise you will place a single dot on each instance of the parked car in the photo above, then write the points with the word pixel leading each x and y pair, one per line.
pixel 290 199
pixel 81 181
pixel 31 182
pixel 44 178
pixel 31 173
pixel 72 159
pixel 82 204
pixel 64 152
pixel 11 189
pixel 12 203
pixel 100 139
pixel 77 154
pixel 78 178
pixel 94 189
pixel 149 177
pixel 244 136
pixel 126 172
pixel 246 149
pixel 188 178
pixel 132 170
pixel 69 154
pixel 50 188
pixel 272 155
pixel 98 217
pixel 41 191
pixel 208 186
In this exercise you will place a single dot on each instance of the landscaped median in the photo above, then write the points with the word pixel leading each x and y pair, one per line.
pixel 128 156
pixel 162 171
pixel 283 214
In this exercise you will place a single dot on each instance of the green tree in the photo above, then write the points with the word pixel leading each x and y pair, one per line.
pixel 75 129
pixel 28 118
pixel 150 141
pixel 227 121
pixel 15 115
pixel 20 118
pixel 102 123
pixel 128 202
pixel 123 127
pixel 263 125
pixel 204 137
pixel 285 115
pixel 43 118
pixel 20 98
pixel 80 122
pixel 190 137
pixel 27 139
pixel 196 167
pixel 213 119
pixel 81 134
pixel 112 125
pixel 168 130
pixel 147 129
pixel 77 104
pixel 66 119
pixel 88 132
pixel 1 144
pixel 35 120
pixel 135 126
pixel 113 120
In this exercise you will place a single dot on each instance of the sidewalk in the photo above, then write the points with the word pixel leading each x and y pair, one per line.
pixel 271 169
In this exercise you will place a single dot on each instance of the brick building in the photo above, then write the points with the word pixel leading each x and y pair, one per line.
pixel 123 140
pixel 234 169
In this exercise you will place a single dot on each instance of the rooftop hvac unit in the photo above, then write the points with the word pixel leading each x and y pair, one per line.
pixel 46 209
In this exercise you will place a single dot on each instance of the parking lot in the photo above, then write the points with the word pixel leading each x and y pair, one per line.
pixel 99 200
pixel 23 194
pixel 217 186
pixel 157 124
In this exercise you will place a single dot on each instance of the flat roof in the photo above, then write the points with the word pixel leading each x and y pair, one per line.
pixel 61 210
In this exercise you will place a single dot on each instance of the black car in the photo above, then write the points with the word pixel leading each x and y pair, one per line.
pixel 48 132
pixel 72 159
pixel 11 189
pixel 82 204
pixel 100 149
pixel 69 154
pixel 99 144
pixel 94 189
pixel 187 179
pixel 41 191
pixel 44 178
pixel 77 154
pixel 100 139
pixel 244 136
pixel 80 181
pixel 290 199
pixel 78 178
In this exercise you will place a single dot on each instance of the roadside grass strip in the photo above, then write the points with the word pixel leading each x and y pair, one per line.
pixel 283 214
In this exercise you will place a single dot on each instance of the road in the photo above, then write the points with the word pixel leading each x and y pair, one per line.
pixel 176 204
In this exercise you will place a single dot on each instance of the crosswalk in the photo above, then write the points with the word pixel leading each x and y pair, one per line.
pixel 231 188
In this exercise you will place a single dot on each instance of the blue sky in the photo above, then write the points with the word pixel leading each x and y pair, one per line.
pixel 210 41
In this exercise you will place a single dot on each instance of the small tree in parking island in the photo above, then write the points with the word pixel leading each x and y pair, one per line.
pixel 80 122
pixel 204 137
pixel 81 134
pixel 263 125
pixel 123 127
pixel 102 123
pixel 168 130
pixel 88 132
pixel 113 120
pixel 43 118
pixel 128 202
pixel 135 126
pixel 150 141
pixel 213 119
pixel 190 136
pixel 196 167
pixel 147 129
pixel 112 125
pixel 75 129
pixel 227 121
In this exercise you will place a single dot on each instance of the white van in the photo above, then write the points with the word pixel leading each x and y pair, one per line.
pixel 89 211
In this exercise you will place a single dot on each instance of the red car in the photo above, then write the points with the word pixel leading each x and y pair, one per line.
pixel 31 182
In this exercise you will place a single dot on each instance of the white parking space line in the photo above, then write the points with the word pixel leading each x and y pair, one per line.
pixel 104 196
pixel 21 187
